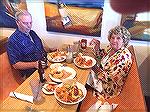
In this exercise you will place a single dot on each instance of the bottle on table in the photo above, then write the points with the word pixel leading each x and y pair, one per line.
pixel 69 56
pixel 44 58
pixel 83 43
pixel 41 72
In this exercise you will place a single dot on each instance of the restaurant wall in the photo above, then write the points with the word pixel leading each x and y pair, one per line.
pixel 110 19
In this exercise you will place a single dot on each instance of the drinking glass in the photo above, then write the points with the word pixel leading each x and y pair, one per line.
pixel 36 87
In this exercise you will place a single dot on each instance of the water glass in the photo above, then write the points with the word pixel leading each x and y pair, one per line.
pixel 36 91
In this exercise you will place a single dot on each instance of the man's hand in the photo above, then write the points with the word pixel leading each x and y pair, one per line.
pixel 52 49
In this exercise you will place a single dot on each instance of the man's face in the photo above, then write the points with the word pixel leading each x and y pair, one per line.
pixel 24 23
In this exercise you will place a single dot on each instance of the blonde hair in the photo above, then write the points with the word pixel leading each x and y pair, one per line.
pixel 123 32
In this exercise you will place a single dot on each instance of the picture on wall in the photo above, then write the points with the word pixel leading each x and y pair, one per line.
pixel 83 17
pixel 8 8
pixel 138 25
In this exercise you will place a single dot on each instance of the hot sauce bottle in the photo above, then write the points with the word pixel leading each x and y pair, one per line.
pixel 83 43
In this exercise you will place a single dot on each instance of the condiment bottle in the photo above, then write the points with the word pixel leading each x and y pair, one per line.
pixel 76 48
pixel 69 56
pixel 83 43
pixel 41 72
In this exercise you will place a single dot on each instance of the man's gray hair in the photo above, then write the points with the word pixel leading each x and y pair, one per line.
pixel 20 13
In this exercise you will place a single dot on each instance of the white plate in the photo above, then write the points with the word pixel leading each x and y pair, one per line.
pixel 80 86
pixel 55 65
pixel 57 58
pixel 68 69
pixel 45 85
pixel 87 58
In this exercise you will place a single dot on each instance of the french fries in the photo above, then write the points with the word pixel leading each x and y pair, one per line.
pixel 69 93
pixel 81 61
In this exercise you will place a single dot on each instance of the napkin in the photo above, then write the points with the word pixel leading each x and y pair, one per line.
pixel 106 107
pixel 99 107
pixel 94 82
pixel 21 96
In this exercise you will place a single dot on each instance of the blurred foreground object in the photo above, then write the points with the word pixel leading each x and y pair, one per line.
pixel 130 6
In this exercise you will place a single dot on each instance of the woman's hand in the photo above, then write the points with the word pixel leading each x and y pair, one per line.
pixel 95 43
pixel 97 69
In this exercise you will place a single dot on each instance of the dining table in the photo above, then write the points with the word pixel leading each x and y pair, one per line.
pixel 50 103
pixel 130 99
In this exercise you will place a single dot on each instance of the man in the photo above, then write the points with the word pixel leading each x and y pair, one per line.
pixel 24 46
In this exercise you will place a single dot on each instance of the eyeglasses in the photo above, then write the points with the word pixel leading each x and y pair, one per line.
pixel 26 23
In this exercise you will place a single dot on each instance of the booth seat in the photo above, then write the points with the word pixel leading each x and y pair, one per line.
pixel 10 78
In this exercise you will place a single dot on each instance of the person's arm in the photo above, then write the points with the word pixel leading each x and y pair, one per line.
pixel 25 65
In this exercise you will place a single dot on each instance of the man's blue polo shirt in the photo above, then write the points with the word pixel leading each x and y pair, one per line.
pixel 21 48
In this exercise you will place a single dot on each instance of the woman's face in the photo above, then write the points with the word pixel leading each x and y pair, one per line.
pixel 116 42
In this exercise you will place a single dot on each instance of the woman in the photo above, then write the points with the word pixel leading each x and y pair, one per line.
pixel 109 78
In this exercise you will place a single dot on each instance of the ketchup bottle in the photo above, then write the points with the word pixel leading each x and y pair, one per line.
pixel 83 43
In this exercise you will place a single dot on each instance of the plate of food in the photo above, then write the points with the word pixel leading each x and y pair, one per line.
pixel 70 92
pixel 48 88
pixel 63 72
pixel 58 56
pixel 84 61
